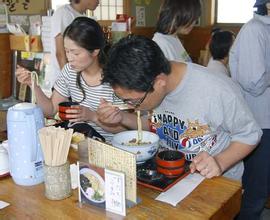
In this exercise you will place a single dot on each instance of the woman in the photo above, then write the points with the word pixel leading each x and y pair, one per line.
pixel 80 78
pixel 176 17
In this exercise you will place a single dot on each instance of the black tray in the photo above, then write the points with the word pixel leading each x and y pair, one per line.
pixel 148 176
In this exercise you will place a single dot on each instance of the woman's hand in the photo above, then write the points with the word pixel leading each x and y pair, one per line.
pixel 206 165
pixel 108 114
pixel 23 75
pixel 79 113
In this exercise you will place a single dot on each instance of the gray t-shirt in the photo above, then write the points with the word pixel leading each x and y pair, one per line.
pixel 205 112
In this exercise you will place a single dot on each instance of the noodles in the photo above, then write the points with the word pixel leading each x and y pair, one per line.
pixel 34 78
pixel 139 122
pixel 139 140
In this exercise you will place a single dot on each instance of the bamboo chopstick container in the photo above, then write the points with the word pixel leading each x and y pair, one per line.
pixel 57 181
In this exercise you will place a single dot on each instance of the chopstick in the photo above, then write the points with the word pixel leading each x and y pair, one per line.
pixel 55 144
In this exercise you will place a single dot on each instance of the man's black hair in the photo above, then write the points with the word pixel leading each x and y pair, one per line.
pixel 220 44
pixel 261 10
pixel 134 63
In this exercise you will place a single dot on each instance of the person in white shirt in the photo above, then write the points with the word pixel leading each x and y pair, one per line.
pixel 62 17
pixel 176 17
pixel 219 47
pixel 249 62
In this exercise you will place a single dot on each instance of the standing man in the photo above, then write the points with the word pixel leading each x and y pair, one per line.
pixel 249 63
pixel 62 17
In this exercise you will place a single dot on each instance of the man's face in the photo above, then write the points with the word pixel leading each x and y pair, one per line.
pixel 90 4
pixel 147 100
pixel 268 7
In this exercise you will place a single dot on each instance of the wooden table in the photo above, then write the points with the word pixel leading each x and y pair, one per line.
pixel 217 198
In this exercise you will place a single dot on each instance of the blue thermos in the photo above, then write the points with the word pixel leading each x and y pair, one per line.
pixel 25 154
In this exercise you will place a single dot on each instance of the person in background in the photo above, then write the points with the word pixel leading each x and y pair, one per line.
pixel 176 17
pixel 205 54
pixel 80 78
pixel 249 63
pixel 62 17
pixel 194 111
pixel 219 47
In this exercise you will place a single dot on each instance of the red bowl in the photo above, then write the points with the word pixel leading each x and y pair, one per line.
pixel 170 163
pixel 62 116
pixel 171 172
pixel 63 106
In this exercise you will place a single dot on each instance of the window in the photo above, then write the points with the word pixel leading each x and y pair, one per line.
pixel 234 11
pixel 108 9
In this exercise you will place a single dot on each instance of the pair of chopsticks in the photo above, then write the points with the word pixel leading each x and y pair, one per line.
pixel 55 144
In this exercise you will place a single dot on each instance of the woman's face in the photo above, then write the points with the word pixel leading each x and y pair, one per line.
pixel 78 57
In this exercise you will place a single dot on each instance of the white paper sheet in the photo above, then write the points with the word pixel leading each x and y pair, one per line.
pixel 180 190
pixel 3 204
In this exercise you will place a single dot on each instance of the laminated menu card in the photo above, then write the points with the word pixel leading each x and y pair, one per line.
pixel 91 185
pixel 109 157
pixel 102 188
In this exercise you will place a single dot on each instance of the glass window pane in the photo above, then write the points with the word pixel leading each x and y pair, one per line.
pixel 97 14
pixel 108 9
pixel 112 14
pixel 112 2
pixel 104 13
pixel 104 2
pixel 119 10
pixel 231 11
pixel 119 3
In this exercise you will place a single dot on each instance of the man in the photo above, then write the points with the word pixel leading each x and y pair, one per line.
pixel 219 47
pixel 63 17
pixel 249 63
pixel 194 111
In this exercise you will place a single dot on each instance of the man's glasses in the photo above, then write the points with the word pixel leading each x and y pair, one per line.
pixel 136 102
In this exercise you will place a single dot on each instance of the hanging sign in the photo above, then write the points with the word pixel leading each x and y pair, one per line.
pixel 25 6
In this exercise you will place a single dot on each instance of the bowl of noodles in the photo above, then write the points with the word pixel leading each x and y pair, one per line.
pixel 92 185
pixel 144 145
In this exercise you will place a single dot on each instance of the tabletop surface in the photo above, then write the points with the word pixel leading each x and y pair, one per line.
pixel 217 198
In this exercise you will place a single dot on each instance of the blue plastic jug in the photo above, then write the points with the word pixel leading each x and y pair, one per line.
pixel 25 154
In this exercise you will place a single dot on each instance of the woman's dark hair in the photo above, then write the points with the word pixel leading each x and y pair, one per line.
pixel 134 63
pixel 177 13
pixel 220 44
pixel 88 34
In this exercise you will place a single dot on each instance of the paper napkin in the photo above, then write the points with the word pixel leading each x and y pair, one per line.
pixel 3 204
pixel 180 190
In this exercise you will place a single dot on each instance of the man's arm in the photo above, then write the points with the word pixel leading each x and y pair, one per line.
pixel 233 154
pixel 211 166
pixel 247 61
pixel 60 50
pixel 108 115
